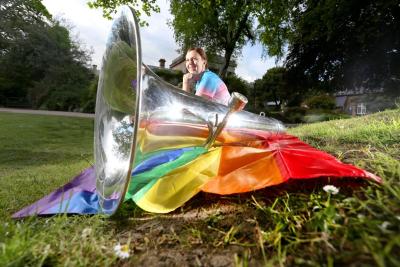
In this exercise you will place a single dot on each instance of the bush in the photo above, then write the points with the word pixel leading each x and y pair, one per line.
pixel 276 115
pixel 294 114
pixel 88 98
pixel 237 84
pixel 324 116
pixel 171 76
pixel 326 102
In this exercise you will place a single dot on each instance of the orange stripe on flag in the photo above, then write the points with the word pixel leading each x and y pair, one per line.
pixel 244 169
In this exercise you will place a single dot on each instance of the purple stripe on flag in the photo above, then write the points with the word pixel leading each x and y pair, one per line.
pixel 85 181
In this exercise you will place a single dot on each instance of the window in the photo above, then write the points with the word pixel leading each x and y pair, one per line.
pixel 361 109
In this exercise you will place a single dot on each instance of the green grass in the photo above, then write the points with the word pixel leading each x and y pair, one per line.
pixel 287 225
pixel 38 154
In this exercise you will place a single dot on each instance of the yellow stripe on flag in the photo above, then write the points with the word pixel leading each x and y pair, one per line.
pixel 178 186
pixel 149 142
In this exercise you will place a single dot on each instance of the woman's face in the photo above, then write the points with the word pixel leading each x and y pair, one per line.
pixel 195 64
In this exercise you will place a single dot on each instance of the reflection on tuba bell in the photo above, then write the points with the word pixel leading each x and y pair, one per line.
pixel 139 114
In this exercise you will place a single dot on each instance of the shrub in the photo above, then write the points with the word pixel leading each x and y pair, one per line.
pixel 326 102
pixel 237 84
pixel 170 76
pixel 88 98
pixel 294 114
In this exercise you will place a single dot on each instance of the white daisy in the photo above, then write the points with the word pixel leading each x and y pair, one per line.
pixel 331 189
pixel 122 251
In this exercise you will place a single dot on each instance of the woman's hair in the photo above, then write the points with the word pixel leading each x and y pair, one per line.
pixel 201 52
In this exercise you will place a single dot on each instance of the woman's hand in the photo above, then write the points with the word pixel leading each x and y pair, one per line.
pixel 188 80
pixel 187 77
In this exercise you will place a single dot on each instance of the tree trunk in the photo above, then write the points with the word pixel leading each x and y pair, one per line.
pixel 231 42
pixel 224 70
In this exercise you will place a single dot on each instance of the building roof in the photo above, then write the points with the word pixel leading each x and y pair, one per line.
pixel 358 91
pixel 177 61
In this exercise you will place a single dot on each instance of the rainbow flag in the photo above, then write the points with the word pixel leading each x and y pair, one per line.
pixel 171 169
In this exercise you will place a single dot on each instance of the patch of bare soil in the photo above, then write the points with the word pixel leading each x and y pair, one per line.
pixel 204 235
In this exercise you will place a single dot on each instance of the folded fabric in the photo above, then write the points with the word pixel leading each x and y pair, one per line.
pixel 164 180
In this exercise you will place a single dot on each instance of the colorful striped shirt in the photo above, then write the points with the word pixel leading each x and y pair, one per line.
pixel 212 87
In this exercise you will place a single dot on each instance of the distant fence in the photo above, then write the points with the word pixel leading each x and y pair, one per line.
pixel 16 102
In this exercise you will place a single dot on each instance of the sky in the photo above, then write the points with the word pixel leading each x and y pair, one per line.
pixel 91 29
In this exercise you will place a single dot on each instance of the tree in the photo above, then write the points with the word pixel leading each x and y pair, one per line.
pixel 109 7
pixel 61 73
pixel 361 49
pixel 15 15
pixel 217 25
pixel 62 88
pixel 275 25
pixel 88 98
pixel 273 86
pixel 41 63
pixel 222 27
pixel 17 19
pixel 324 102
pixel 237 84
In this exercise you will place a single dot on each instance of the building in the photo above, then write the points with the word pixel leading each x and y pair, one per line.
pixel 362 101
pixel 169 75
pixel 160 67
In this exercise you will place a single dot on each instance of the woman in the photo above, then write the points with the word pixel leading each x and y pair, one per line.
pixel 207 84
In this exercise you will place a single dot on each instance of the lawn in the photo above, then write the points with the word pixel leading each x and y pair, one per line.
pixel 292 224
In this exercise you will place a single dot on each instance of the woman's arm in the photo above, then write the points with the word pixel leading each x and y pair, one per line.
pixel 187 82
pixel 212 87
